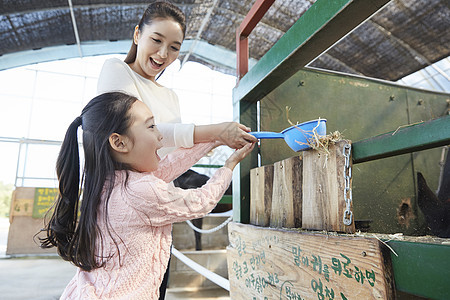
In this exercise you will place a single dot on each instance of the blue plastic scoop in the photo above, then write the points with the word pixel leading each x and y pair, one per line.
pixel 296 136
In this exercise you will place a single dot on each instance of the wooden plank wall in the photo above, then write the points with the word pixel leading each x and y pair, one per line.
pixel 303 192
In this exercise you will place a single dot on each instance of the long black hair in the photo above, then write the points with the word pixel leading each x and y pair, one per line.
pixel 161 10
pixel 75 238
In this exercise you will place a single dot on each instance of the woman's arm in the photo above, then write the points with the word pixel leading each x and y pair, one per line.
pixel 232 134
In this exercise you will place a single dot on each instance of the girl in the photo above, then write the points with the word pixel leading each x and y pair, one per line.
pixel 121 240
pixel 156 44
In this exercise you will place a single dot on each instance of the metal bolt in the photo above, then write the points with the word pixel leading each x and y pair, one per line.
pixel 391 98
pixel 420 102
pixel 301 83
pixel 364 253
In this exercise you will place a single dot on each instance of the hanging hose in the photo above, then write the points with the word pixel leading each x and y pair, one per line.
pixel 217 279
pixel 212 229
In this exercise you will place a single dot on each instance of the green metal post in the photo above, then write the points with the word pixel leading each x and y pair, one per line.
pixel 247 113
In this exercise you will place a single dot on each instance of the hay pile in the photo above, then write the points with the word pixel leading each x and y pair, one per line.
pixel 317 142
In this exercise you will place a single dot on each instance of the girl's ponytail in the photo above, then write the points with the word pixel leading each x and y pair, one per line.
pixel 62 225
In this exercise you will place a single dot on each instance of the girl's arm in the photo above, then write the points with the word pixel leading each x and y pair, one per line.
pixel 159 203
pixel 179 161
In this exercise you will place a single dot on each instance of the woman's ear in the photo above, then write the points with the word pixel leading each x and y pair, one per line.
pixel 136 35
pixel 119 143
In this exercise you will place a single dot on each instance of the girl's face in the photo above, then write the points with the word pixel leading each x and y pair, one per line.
pixel 158 45
pixel 144 139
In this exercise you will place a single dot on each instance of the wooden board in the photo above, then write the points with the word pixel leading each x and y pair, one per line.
pixel 287 193
pixel 265 263
pixel 323 190
pixel 261 183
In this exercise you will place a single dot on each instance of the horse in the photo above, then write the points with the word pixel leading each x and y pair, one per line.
pixel 436 208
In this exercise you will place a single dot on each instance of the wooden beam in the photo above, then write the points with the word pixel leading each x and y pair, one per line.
pixel 322 25
pixel 267 263
pixel 422 136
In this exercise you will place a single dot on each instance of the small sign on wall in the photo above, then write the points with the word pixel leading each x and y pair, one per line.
pixel 22 207
pixel 43 201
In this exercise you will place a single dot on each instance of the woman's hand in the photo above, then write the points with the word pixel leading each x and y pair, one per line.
pixel 235 135
pixel 232 134
pixel 239 155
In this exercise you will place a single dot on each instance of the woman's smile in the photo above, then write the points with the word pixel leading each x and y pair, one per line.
pixel 158 45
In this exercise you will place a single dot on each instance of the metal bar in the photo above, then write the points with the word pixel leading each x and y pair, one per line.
pixel 250 21
pixel 18 165
pixel 242 56
pixel 29 141
pixel 255 15
pixel 421 269
pixel 37 178
pixel 75 28
pixel 247 112
pixel 422 136
pixel 207 166
pixel 226 199
pixel 319 28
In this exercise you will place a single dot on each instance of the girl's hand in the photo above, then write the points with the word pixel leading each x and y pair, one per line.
pixel 235 135
pixel 239 155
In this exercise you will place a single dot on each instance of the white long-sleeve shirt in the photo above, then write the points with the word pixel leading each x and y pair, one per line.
pixel 116 75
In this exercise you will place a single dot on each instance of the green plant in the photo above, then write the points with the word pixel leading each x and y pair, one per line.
pixel 5 198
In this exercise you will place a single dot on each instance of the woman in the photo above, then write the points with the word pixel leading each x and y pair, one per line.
pixel 157 41
pixel 156 44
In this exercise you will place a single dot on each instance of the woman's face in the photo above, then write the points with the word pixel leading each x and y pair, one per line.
pixel 158 45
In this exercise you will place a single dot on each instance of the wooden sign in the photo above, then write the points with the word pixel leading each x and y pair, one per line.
pixel 43 201
pixel 323 189
pixel 287 193
pixel 265 263
pixel 261 186
pixel 22 207
pixel 22 202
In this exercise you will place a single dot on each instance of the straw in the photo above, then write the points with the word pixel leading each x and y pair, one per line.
pixel 317 142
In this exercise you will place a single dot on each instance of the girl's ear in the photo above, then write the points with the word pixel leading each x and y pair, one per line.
pixel 136 35
pixel 119 143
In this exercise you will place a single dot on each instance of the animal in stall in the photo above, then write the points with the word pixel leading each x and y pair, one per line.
pixel 436 208
pixel 191 180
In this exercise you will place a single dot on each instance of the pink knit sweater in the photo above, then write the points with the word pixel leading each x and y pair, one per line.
pixel 140 219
